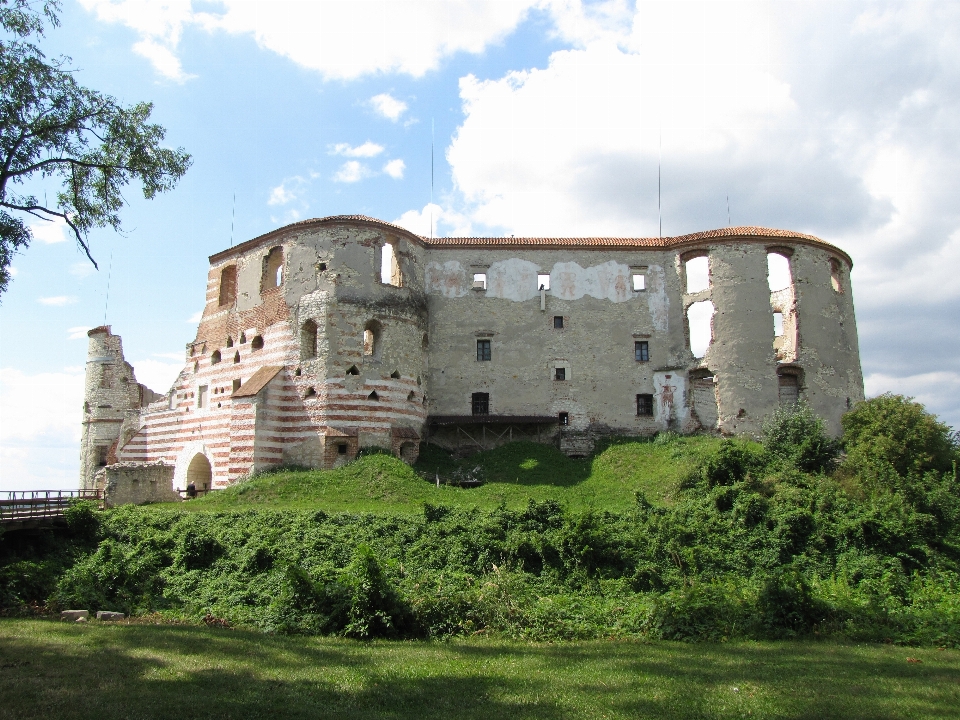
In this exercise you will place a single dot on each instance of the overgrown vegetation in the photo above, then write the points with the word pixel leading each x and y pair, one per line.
pixel 774 540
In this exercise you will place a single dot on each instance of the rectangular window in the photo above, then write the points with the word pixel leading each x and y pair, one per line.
pixel 481 403
pixel 483 350
pixel 644 405
pixel 341 449
pixel 479 281
pixel 102 451
pixel 543 282
pixel 558 322
pixel 564 418
pixel 559 373
pixel 778 324
pixel 202 396
pixel 641 351
pixel 639 282
pixel 236 384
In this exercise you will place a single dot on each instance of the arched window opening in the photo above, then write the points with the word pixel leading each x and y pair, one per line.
pixel 696 270
pixel 297 372
pixel 412 396
pixel 373 396
pixel 272 269
pixel 353 370
pixel 425 342
pixel 836 275
pixel 700 327
pixel 229 341
pixel 196 367
pixel 395 374
pixel 309 393
pixel 371 338
pixel 199 473
pixel 215 358
pixel 236 357
pixel 308 340
pixel 779 275
pixel 228 285
pixel 257 343
pixel 390 265
pixel 418 380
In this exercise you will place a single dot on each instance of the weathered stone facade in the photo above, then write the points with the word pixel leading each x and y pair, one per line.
pixel 334 334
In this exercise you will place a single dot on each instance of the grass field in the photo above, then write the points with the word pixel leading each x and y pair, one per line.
pixel 99 671
pixel 513 475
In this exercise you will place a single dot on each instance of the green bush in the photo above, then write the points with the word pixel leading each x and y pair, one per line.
pixel 796 436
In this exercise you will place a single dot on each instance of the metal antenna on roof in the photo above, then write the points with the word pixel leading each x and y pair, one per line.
pixel 106 302
pixel 659 163
pixel 728 210
pixel 233 216
pixel 431 178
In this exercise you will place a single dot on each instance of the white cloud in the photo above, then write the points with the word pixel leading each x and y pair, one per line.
pixel 78 333
pixel 936 390
pixel 388 106
pixel 445 222
pixel 169 356
pixel 352 171
pixel 341 39
pixel 13 271
pixel 57 300
pixel 281 195
pixel 395 168
pixel 195 318
pixel 367 150
pixel 50 231
pixel 82 269
pixel 157 375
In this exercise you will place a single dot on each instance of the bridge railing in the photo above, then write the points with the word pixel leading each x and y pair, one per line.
pixel 19 505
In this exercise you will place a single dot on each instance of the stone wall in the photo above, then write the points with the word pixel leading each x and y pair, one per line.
pixel 136 484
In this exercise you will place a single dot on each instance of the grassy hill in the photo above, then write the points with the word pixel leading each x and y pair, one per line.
pixel 512 475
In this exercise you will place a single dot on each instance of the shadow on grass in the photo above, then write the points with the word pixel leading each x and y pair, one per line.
pixel 521 463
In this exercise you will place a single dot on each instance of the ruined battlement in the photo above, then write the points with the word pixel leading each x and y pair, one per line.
pixel 333 334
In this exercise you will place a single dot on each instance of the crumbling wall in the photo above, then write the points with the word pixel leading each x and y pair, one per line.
pixel 136 484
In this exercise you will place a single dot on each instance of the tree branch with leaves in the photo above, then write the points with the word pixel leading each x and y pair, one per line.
pixel 53 127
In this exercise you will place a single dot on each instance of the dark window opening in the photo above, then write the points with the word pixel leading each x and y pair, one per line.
pixel 483 350
pixel 228 285
pixel 412 397
pixel 480 403
pixel 102 451
pixel 558 322
pixel 236 384
pixel 309 393
pixel 243 338
pixel 297 372
pixel 644 405
pixel 564 418
pixel 215 358
pixel 321 267
pixel 641 351
pixel 229 341
pixel 371 338
pixel 236 357
pixel 373 396
pixel 308 340
pixel 560 373
pixel 395 374
pixel 341 449
pixel 257 343
pixel 353 370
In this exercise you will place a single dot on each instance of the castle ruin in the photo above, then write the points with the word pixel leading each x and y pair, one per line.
pixel 333 334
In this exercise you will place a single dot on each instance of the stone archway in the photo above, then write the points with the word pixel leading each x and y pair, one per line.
pixel 200 473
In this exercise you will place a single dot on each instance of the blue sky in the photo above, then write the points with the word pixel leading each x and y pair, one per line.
pixel 548 118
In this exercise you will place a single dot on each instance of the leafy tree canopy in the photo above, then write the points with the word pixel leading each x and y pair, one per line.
pixel 51 126
pixel 894 431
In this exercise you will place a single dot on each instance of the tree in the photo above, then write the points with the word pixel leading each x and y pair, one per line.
pixel 51 126
pixel 796 435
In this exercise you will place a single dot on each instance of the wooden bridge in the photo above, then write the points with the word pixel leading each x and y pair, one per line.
pixel 22 509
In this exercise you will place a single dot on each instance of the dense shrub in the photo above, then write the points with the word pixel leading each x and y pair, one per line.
pixel 797 436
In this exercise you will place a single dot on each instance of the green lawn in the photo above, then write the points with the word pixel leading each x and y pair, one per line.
pixel 513 475
pixel 101 671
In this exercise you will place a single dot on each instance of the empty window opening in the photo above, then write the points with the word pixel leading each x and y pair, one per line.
pixel 425 342
pixel 196 367
pixel 479 281
pixel 480 403
pixel 390 266
pixel 703 395
pixel 418 380
pixel 412 396
pixel 297 372
pixel 202 396
pixel 215 358
pixel 644 405
pixel 641 350
pixel 558 322
pixel 778 271
pixel 697 271
pixel 257 343
pixel 559 373
pixel 228 285
pixel 341 449
pixel 371 338
pixel 236 358
pixel 700 327
pixel 373 396
pixel 483 350
pixel 564 418
pixel 308 340
pixel 789 390
pixel 353 370
pixel 229 341
pixel 243 338
pixel 102 451
pixel 836 275
pixel 395 374
pixel 543 282
pixel 639 281
pixel 321 267
pixel 778 324
pixel 309 393
pixel 272 269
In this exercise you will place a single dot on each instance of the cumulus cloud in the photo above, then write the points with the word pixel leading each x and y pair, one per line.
pixel 444 222
pixel 195 318
pixel 340 39
pixel 156 374
pixel 78 333
pixel 50 231
pixel 57 300
pixel 395 168
pixel 352 171
pixel 388 106
pixel 367 150
pixel 281 195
